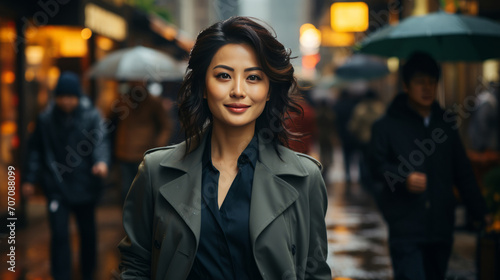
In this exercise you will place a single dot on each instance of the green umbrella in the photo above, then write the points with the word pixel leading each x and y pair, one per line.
pixel 362 67
pixel 447 37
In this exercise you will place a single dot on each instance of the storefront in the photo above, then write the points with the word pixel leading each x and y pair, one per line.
pixel 9 109
pixel 36 45
pixel 41 39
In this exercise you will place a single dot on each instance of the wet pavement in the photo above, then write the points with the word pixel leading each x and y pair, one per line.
pixel 357 239
pixel 33 251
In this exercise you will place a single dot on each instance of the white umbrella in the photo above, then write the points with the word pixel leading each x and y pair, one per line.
pixel 137 64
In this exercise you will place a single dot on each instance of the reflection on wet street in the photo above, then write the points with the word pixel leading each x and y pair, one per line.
pixel 33 251
pixel 357 234
pixel 357 241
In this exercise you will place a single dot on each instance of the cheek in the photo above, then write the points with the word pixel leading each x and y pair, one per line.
pixel 261 93
pixel 216 89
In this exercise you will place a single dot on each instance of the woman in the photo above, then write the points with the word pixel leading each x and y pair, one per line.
pixel 231 202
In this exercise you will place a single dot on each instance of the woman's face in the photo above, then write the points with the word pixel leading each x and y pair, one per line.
pixel 236 86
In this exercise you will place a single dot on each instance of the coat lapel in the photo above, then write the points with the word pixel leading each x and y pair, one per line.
pixel 272 195
pixel 184 192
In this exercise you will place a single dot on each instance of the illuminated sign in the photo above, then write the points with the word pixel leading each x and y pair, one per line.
pixel 349 16
pixel 105 22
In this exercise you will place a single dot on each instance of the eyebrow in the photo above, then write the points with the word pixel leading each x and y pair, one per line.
pixel 232 69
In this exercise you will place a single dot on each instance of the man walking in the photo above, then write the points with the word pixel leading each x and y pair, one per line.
pixel 417 158
pixel 68 156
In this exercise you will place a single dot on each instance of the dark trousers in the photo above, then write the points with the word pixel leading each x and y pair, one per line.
pixel 420 261
pixel 60 241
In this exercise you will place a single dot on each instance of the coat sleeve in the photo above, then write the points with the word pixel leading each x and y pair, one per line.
pixel 381 167
pixel 136 247
pixel 465 181
pixel 100 137
pixel 317 267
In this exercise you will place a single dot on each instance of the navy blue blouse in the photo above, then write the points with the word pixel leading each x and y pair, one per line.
pixel 225 250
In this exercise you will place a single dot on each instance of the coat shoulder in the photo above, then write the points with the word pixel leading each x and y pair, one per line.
pixel 160 153
pixel 309 162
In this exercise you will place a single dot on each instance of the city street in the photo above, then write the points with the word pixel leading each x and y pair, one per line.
pixel 356 234
pixel 88 87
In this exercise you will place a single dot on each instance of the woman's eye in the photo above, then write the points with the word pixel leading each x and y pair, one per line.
pixel 254 78
pixel 223 76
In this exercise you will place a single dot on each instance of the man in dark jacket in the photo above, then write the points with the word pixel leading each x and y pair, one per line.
pixel 68 156
pixel 417 158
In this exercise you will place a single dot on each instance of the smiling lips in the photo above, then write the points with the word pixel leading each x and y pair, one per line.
pixel 237 107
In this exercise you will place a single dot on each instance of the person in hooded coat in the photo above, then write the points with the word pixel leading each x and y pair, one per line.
pixel 68 155
pixel 416 158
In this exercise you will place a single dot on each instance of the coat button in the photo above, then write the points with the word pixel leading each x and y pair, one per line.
pixel 293 249
pixel 157 244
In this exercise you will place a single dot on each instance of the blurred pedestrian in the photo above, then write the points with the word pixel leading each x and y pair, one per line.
pixel 326 135
pixel 366 112
pixel 231 202
pixel 143 124
pixel 417 157
pixel 68 157
pixel 483 126
pixel 343 109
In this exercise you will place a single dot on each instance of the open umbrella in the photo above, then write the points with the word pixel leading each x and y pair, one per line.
pixel 362 67
pixel 137 64
pixel 447 37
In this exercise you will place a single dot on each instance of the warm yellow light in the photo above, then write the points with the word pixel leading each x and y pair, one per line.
pixel 52 77
pixel 306 26
pixel 393 64
pixel 34 54
pixel 420 8
pixel 330 38
pixel 8 77
pixel 72 46
pixel 311 38
pixel 104 43
pixel 473 8
pixel 105 22
pixel 7 34
pixel 86 33
pixel 490 70
pixel 349 16
pixel 8 128
pixel 29 75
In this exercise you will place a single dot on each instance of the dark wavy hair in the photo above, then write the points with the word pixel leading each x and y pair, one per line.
pixel 194 114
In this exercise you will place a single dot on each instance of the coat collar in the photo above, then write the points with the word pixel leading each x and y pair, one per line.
pixel 271 195
pixel 289 163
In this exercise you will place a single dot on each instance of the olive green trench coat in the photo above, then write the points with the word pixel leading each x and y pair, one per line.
pixel 162 216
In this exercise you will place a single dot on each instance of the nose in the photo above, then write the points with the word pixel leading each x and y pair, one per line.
pixel 238 90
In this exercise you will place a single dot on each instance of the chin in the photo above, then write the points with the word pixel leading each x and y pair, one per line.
pixel 426 102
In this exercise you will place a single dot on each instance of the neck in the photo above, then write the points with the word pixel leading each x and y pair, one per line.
pixel 423 111
pixel 229 143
